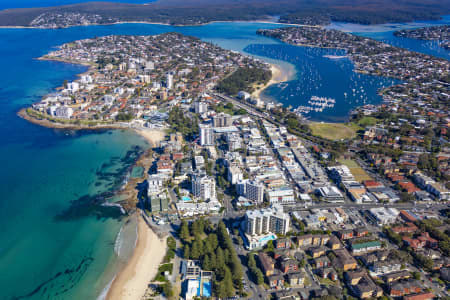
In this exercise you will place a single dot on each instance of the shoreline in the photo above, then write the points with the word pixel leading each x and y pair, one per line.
pixel 22 113
pixel 160 23
pixel 153 136
pixel 131 282
pixel 278 76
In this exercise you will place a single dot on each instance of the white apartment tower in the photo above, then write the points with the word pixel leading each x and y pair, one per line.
pixel 200 107
pixel 254 191
pixel 267 220
pixel 206 136
pixel 169 81
pixel 204 187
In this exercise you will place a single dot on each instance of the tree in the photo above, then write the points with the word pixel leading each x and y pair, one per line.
pixel 184 231
pixel 236 269
pixel 228 283
pixel 213 241
pixel 195 251
pixel 167 290
pixel 186 251
pixel 259 277
pixel 251 261
pixel 219 289
pixel 207 263
pixel 220 259
pixel 269 246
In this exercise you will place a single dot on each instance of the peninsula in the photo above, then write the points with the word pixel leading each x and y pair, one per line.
pixel 433 33
pixel 424 76
pixel 132 81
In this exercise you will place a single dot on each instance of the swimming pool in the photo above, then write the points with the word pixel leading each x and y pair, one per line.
pixel 185 199
pixel 206 289
pixel 267 238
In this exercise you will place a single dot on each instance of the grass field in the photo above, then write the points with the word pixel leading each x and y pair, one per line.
pixel 332 131
pixel 359 174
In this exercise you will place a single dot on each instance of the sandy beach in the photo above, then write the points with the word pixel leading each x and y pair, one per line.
pixel 277 76
pixel 132 281
pixel 153 136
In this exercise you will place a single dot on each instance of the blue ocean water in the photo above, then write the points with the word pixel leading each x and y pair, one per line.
pixel 56 242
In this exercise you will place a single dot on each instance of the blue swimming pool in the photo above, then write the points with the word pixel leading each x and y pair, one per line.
pixel 267 238
pixel 206 289
pixel 185 199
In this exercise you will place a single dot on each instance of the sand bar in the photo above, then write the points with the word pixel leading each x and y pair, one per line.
pixel 277 76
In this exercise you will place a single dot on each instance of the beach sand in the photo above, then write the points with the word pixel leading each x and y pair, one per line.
pixel 153 136
pixel 132 281
pixel 277 76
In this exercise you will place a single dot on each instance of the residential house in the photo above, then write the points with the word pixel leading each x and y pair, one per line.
pixel 420 296
pixel 296 279
pixel 406 287
pixel 386 266
pixel 334 243
pixel 287 295
pixel 344 260
pixel 345 234
pixel 396 276
pixel 322 262
pixel 329 273
pixel 266 263
pixel 288 265
pixel 276 281
pixel 317 251
pixel 304 240
pixel 283 243
pixel 360 232
pixel 408 228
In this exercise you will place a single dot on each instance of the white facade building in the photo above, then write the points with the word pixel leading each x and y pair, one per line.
pixel 200 107
pixel 63 112
pixel 281 195
pixel 155 184
pixel 206 136
pixel 204 187
pixel 234 174
pixel 254 191
pixel 169 81
pixel 267 220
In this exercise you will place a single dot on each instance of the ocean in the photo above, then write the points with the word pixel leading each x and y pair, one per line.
pixel 56 241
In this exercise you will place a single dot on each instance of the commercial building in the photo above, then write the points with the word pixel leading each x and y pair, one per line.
pixel 281 195
pixel 384 216
pixel 331 194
